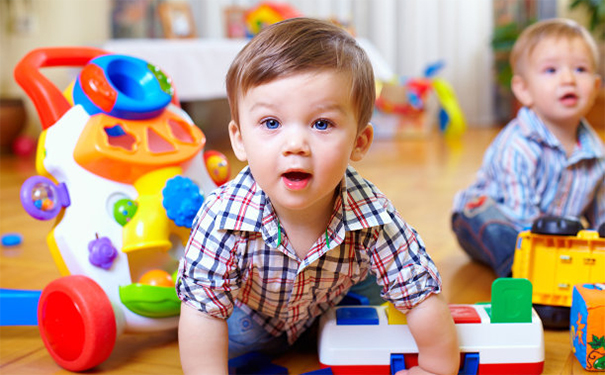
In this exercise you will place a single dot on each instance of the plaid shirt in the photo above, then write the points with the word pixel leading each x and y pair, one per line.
pixel 233 257
pixel 527 171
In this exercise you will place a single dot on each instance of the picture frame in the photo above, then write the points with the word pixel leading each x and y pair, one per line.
pixel 177 20
pixel 235 21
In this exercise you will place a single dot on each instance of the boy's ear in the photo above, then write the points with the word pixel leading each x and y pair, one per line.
pixel 237 143
pixel 521 91
pixel 362 143
pixel 597 86
pixel 598 81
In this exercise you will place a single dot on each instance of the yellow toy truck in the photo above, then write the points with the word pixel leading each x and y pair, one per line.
pixel 556 254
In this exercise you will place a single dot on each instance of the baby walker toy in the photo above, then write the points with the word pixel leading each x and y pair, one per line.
pixel 122 170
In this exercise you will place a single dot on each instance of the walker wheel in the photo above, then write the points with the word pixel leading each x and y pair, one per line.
pixel 76 322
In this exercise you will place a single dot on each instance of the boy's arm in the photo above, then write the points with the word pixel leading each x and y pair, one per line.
pixel 203 343
pixel 434 331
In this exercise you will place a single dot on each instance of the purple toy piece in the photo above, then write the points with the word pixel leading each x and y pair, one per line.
pixel 102 252
pixel 42 198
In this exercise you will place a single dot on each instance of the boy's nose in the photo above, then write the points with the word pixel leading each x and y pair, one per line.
pixel 296 141
pixel 567 75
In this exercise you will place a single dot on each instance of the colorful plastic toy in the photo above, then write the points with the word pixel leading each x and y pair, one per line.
pixel 451 118
pixel 588 325
pixel 504 337
pixel 218 166
pixel 268 13
pixel 122 171
pixel 323 371
pixel 19 307
pixel 24 146
pixel 11 239
pixel 556 254
pixel 406 106
pixel 255 363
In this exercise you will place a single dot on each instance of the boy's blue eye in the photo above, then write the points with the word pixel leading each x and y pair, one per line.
pixel 321 125
pixel 271 123
pixel 581 69
pixel 550 70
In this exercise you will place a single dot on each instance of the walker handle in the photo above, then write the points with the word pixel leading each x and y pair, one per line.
pixel 47 98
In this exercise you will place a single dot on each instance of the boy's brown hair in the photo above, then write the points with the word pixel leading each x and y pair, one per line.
pixel 551 28
pixel 300 45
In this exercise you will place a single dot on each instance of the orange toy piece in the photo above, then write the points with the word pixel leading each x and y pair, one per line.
pixel 124 150
pixel 157 278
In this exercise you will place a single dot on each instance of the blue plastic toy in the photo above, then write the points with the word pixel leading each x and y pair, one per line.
pixel 19 307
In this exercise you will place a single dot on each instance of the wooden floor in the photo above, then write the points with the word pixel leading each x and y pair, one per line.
pixel 421 177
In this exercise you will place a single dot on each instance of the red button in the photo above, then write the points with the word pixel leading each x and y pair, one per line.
pixel 464 314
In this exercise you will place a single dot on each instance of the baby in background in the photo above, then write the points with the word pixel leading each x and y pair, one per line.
pixel 546 161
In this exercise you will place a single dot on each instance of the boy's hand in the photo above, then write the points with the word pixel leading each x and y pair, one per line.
pixel 432 326
pixel 414 371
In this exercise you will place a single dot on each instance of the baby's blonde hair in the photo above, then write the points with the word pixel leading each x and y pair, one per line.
pixel 551 28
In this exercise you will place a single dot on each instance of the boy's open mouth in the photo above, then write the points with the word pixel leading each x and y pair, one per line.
pixel 569 98
pixel 296 180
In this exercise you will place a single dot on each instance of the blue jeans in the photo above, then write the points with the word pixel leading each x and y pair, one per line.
pixel 487 236
pixel 246 335
pixel 369 289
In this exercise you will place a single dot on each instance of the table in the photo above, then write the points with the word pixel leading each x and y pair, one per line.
pixel 198 66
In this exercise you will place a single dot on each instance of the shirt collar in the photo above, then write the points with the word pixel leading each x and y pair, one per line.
pixel 534 128
pixel 365 206
pixel 589 144
pixel 246 207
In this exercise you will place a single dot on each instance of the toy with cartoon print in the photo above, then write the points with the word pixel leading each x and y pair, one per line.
pixel 587 325
pixel 122 170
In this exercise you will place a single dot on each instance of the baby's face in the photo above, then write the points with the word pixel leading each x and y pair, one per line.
pixel 561 83
pixel 298 134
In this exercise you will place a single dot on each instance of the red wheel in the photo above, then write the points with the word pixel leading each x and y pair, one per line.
pixel 76 322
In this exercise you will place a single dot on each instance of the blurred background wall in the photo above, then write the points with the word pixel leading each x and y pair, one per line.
pixel 409 34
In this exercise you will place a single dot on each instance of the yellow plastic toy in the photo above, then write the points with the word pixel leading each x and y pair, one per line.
pixel 455 124
pixel 555 255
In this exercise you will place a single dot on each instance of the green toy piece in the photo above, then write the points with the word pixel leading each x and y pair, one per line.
pixel 511 301
pixel 150 301
pixel 163 80
pixel 124 210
